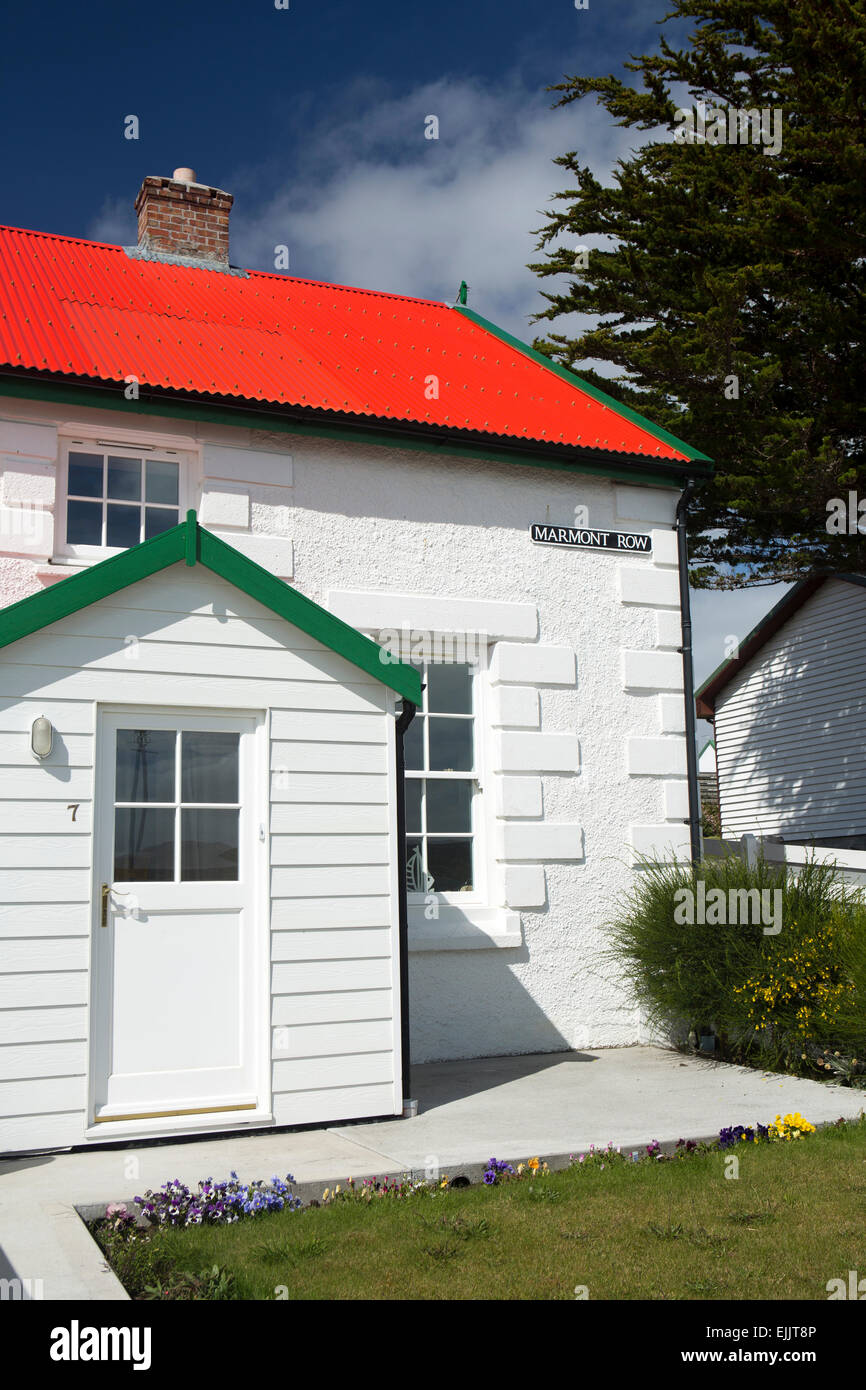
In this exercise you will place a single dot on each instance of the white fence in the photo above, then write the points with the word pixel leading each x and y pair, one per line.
pixel 851 863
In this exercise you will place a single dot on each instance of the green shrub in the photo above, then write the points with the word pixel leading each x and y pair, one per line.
pixel 779 989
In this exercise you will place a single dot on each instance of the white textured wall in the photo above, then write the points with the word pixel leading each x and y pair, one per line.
pixel 422 525
pixel 583 747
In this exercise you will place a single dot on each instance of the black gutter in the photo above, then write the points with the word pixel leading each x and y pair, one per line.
pixel 405 719
pixel 688 671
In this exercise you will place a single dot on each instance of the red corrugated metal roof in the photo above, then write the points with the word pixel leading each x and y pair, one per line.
pixel 90 310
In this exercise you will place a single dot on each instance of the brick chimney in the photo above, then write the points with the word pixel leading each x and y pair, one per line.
pixel 180 217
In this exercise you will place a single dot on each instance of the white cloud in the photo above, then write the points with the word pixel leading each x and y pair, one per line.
pixel 375 204
pixel 116 222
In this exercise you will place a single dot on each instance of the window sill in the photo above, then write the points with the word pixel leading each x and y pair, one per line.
pixel 49 571
pixel 464 929
pixel 59 566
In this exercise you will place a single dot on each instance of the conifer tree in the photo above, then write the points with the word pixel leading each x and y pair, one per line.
pixel 730 291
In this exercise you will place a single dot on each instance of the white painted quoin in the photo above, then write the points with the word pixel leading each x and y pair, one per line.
pixel 789 720
pixel 547 753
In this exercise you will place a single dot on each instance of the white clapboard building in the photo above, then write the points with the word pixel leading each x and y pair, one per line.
pixel 263 543
pixel 789 718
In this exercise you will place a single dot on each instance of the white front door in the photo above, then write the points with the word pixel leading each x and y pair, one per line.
pixel 175 956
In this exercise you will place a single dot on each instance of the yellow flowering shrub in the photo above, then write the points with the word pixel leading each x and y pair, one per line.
pixel 802 982
pixel 784 988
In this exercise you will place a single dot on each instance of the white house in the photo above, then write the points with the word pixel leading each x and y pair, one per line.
pixel 217 486
pixel 789 717
pixel 707 760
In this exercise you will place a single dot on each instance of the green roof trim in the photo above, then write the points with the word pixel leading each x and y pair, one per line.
pixel 633 468
pixel 192 544
pixel 693 455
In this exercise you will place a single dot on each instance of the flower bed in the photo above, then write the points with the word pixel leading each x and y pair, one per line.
pixel 395 1243
pixel 224 1203
pixel 498 1171
pixel 213 1204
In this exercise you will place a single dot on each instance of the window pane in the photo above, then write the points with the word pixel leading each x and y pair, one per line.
pixel 449 689
pixel 209 845
pixel 84 523
pixel 143 844
pixel 413 745
pixel 416 878
pixel 145 765
pixel 85 475
pixel 413 804
pixel 449 806
pixel 161 482
pixel 450 745
pixel 123 526
pixel 450 863
pixel 209 767
pixel 124 479
pixel 157 520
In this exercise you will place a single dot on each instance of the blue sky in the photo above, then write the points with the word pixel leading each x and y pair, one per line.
pixel 314 118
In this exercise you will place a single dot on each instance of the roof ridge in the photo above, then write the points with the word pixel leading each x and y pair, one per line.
pixel 59 236
pixel 232 271
pixel 349 289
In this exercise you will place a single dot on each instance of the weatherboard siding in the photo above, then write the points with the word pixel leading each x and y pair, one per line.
pixel 790 729
pixel 187 638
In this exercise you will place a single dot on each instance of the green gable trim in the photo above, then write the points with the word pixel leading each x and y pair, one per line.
pixel 192 544
pixel 693 455
pixel 98 397
pixel 273 593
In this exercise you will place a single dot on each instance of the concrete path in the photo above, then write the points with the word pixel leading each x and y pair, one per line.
pixel 551 1105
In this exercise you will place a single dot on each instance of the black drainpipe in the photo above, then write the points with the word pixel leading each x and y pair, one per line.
pixel 688 672
pixel 405 719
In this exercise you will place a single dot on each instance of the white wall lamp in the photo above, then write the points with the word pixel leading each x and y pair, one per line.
pixel 41 737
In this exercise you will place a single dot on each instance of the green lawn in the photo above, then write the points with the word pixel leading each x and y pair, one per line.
pixel 673 1230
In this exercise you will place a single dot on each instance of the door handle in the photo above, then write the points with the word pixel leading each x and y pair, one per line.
pixel 106 895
